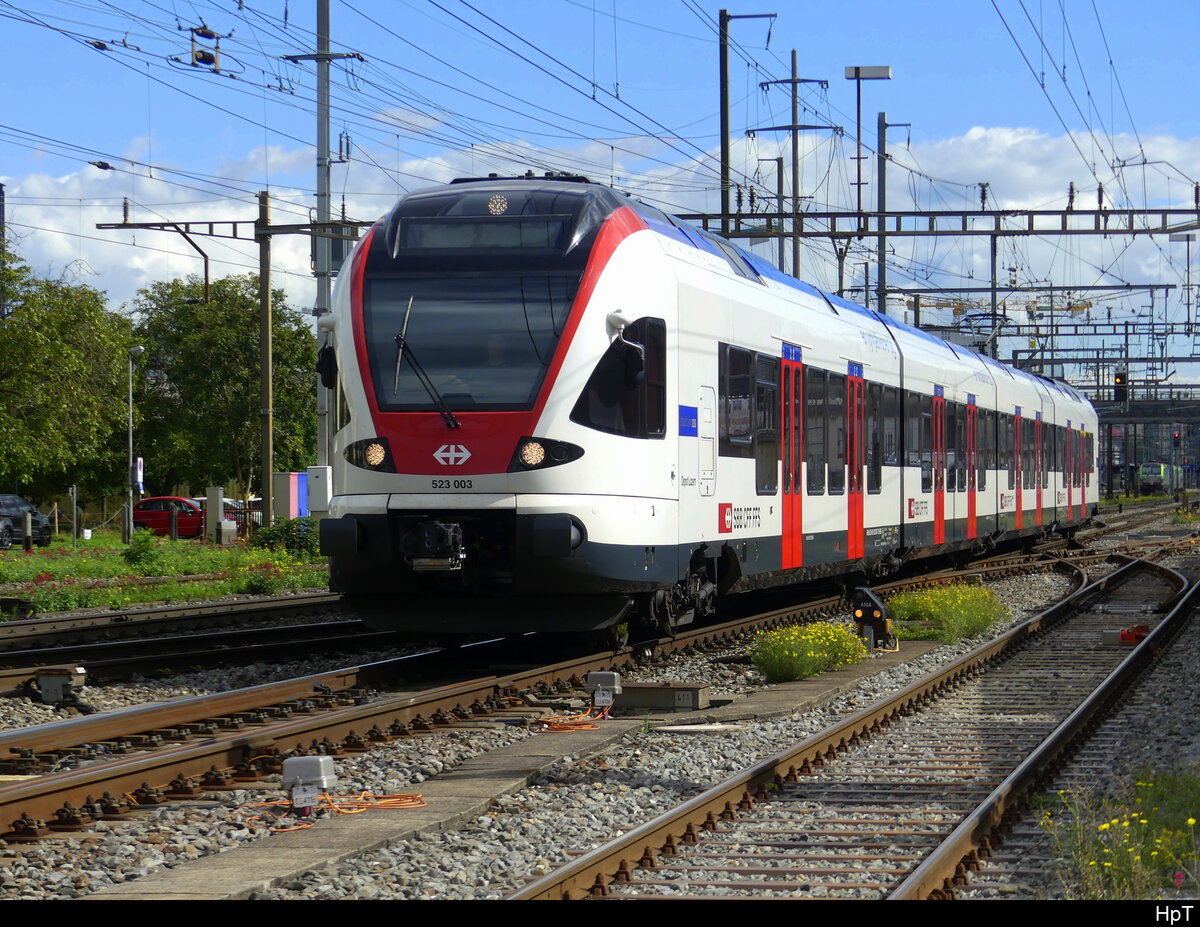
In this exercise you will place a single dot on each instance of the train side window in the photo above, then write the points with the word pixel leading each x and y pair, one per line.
pixel 953 452
pixel 1028 470
pixel 891 426
pixel 925 420
pixel 960 428
pixel 814 429
pixel 766 425
pixel 1008 456
pixel 874 452
pixel 736 377
pixel 626 394
pixel 837 433
pixel 912 429
pixel 981 449
pixel 1047 450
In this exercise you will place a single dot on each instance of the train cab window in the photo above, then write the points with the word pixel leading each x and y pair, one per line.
pixel 626 394
pixel 341 408
pixel 814 429
pixel 836 445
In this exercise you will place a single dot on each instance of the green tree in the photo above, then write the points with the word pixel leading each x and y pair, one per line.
pixel 200 397
pixel 63 379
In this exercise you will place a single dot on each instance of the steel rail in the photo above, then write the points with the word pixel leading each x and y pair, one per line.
pixel 14 632
pixel 946 866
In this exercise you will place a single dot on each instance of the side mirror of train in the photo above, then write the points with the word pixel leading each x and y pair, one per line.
pixel 327 366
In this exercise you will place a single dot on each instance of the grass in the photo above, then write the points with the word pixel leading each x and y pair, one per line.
pixel 947 613
pixel 104 573
pixel 800 651
pixel 1140 846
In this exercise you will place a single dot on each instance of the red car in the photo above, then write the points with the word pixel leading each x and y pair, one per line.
pixel 155 513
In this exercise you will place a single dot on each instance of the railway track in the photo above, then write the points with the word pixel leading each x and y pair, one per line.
pixel 177 748
pixel 901 799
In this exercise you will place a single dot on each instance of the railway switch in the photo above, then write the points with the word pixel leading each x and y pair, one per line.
pixel 871 620
pixel 604 687
pixel 306 777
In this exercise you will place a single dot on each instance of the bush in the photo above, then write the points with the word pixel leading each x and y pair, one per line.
pixel 143 554
pixel 298 536
pixel 264 579
pixel 950 612
pixel 800 651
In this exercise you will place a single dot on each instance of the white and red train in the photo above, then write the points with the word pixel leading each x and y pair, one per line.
pixel 557 408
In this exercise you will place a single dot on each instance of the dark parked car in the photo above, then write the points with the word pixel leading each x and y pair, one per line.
pixel 12 522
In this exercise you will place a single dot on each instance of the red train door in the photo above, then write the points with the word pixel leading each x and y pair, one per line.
pixel 1017 446
pixel 1037 465
pixel 793 455
pixel 939 465
pixel 856 405
pixel 972 421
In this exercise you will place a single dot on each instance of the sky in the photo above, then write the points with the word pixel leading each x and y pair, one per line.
pixel 1027 96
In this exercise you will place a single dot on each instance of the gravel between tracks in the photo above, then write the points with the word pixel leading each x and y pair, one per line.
pixel 576 805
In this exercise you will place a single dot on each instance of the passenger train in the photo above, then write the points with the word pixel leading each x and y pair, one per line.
pixel 557 408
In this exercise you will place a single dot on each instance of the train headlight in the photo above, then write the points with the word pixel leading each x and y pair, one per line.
pixel 532 454
pixel 538 453
pixel 371 454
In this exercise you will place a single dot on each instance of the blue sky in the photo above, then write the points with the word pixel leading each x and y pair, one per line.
pixel 621 91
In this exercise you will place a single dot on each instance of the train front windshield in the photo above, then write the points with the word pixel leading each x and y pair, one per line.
pixel 484 340
pixel 490 271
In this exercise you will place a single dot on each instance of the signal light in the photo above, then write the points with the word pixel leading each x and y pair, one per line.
pixel 1121 385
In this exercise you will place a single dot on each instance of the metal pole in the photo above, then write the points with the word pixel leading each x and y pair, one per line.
pixel 324 257
pixel 881 199
pixel 795 170
pixel 995 337
pixel 858 143
pixel 724 36
pixel 127 525
pixel 263 233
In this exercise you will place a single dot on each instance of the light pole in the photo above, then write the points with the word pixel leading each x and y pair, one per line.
pixel 133 352
pixel 858 75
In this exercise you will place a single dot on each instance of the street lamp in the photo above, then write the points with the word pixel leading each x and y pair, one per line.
pixel 858 75
pixel 133 352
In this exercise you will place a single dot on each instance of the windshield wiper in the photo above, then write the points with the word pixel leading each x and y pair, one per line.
pixel 404 350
